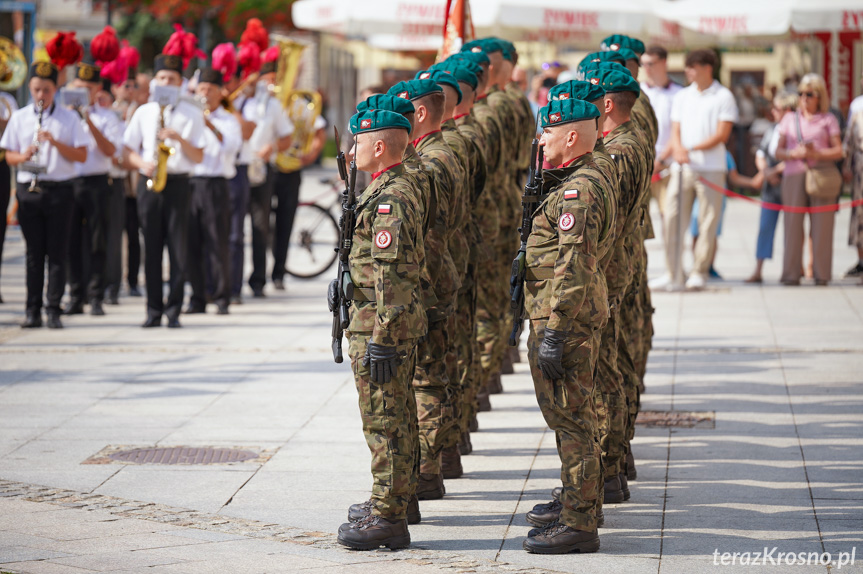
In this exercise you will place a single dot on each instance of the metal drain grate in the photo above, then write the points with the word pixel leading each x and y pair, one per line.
pixel 179 455
pixel 679 419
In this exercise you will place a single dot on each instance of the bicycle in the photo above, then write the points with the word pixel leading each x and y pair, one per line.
pixel 312 249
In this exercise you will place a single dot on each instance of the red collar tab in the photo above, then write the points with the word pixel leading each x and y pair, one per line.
pixel 421 138
pixel 377 174
pixel 461 115
pixel 605 134
pixel 566 164
pixel 482 97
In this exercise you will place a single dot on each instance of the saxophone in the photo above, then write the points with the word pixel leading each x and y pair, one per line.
pixel 32 165
pixel 161 153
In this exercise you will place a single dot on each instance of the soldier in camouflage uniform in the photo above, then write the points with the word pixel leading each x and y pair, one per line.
pixel 432 377
pixel 386 320
pixel 567 305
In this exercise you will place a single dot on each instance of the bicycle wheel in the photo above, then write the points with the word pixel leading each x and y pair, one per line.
pixel 314 238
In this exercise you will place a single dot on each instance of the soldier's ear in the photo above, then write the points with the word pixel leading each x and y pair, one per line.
pixel 380 148
pixel 609 105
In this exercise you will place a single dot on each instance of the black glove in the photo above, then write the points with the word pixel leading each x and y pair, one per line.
pixel 333 295
pixel 382 362
pixel 550 357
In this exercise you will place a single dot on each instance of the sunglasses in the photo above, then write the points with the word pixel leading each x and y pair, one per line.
pixel 807 94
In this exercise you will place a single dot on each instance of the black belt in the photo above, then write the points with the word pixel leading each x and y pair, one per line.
pixel 49 184
pixel 98 176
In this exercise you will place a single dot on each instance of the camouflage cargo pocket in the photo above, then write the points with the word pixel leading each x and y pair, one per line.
pixel 571 392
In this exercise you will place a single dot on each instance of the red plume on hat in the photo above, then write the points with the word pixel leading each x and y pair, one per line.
pixel 64 49
pixel 270 55
pixel 130 54
pixel 117 71
pixel 249 58
pixel 225 60
pixel 105 46
pixel 256 33
pixel 183 44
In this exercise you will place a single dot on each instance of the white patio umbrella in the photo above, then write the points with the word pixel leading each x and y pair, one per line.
pixel 827 15
pixel 728 19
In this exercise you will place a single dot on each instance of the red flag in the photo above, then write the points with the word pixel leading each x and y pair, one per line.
pixel 457 28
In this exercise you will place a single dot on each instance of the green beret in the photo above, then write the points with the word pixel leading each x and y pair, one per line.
pixel 597 57
pixel 374 120
pixel 559 112
pixel 443 78
pixel 582 72
pixel 463 71
pixel 508 48
pixel 487 45
pixel 613 81
pixel 478 58
pixel 413 89
pixel 629 55
pixel 577 90
pixel 388 103
pixel 617 41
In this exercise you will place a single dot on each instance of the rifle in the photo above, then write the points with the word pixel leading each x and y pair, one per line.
pixel 531 197
pixel 345 290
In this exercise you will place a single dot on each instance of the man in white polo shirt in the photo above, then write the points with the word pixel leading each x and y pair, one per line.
pixel 702 116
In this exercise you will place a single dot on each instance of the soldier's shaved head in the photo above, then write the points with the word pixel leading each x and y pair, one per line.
pixel 434 105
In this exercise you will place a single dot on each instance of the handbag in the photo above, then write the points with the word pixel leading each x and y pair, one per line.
pixel 823 180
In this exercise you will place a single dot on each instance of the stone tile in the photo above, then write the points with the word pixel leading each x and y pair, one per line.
pixel 27 554
pixel 42 567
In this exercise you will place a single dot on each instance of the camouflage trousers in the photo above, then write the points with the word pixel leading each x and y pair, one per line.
pixel 626 344
pixel 468 353
pixel 568 409
pixel 489 319
pixel 611 408
pixel 433 387
pixel 646 310
pixel 389 418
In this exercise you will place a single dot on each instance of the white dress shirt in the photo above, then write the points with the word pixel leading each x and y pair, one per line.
pixel 699 114
pixel 271 125
pixel 661 98
pixel 185 118
pixel 64 125
pixel 220 157
pixel 107 122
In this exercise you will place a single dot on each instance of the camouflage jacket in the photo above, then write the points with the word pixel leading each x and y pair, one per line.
pixel 644 117
pixel 527 122
pixel 423 193
pixel 484 209
pixel 385 262
pixel 628 148
pixel 459 243
pixel 440 160
pixel 611 193
pixel 564 281
pixel 493 135
pixel 509 192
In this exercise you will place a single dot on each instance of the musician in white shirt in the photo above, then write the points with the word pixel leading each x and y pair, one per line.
pixel 88 237
pixel 164 215
pixel 45 198
pixel 5 174
pixel 210 208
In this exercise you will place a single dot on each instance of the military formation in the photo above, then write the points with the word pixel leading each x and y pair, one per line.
pixel 437 279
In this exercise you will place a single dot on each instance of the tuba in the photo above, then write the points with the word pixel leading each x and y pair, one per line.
pixel 13 72
pixel 302 106
pixel 162 152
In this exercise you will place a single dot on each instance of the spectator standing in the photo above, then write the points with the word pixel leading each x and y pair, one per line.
pixel 771 190
pixel 702 117
pixel 661 91
pixel 854 174
pixel 807 137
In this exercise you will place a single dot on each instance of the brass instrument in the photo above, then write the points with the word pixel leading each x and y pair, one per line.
pixel 228 102
pixel 32 165
pixel 13 72
pixel 156 183
pixel 302 106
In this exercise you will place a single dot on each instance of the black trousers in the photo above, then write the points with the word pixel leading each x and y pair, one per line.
pixel 5 195
pixel 45 218
pixel 165 222
pixel 239 190
pixel 260 208
pixel 287 192
pixel 114 236
pixel 209 227
pixel 88 238
pixel 133 242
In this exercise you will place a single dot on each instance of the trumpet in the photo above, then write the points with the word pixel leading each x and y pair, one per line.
pixel 32 165
pixel 228 102
pixel 161 153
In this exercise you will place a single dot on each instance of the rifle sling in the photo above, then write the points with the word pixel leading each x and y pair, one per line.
pixel 364 294
pixel 539 273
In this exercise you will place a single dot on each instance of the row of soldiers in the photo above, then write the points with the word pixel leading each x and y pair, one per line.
pixel 430 285
pixel 196 160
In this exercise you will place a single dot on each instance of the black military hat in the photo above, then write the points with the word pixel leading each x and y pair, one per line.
pixel 44 70
pixel 168 62
pixel 211 76
pixel 87 72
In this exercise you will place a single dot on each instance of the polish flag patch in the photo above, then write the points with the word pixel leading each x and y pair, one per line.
pixel 570 194
pixel 566 221
pixel 383 239
pixel 385 208
pixel 365 124
pixel 404 96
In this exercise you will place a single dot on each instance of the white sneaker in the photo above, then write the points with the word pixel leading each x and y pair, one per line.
pixel 659 283
pixel 696 282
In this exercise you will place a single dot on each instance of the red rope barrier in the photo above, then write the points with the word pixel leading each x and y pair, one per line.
pixel 780 207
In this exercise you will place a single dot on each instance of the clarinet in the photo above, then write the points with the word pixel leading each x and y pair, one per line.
pixel 34 183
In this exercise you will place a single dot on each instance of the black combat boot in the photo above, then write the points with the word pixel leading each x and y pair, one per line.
pixel 53 316
pixel 357 512
pixel 544 514
pixel 494 385
pixel 430 487
pixel 613 491
pixel 600 522
pixel 631 473
pixel 506 366
pixel 624 485
pixel 465 447
pixel 375 531
pixel 561 539
pixel 451 463
pixel 33 320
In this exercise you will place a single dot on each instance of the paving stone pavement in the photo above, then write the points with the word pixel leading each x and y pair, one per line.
pixel 782 369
